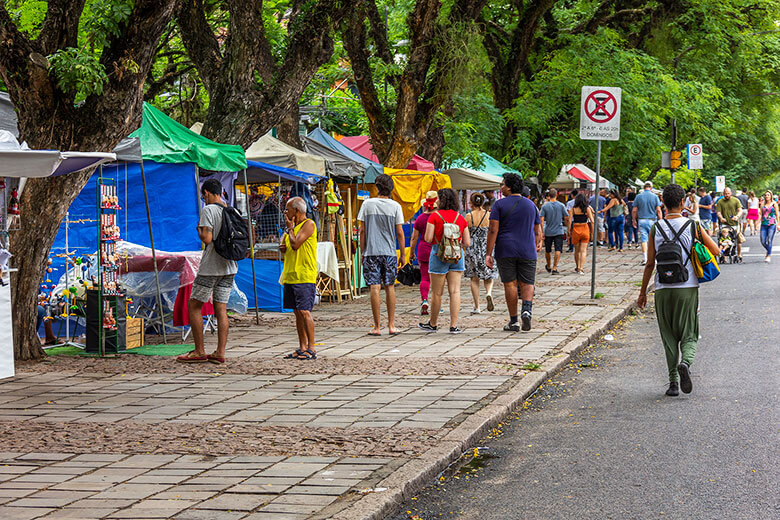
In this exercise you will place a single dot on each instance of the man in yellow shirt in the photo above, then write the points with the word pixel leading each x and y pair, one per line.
pixel 299 276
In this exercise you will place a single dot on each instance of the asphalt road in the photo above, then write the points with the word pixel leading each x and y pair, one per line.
pixel 601 440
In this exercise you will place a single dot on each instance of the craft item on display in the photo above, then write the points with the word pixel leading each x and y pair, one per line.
pixel 13 203
pixel 108 316
pixel 108 197
pixel 108 228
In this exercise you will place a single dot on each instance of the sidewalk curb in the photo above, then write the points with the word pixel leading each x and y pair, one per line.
pixel 407 480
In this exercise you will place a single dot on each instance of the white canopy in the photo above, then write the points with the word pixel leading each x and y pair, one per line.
pixel 468 179
pixel 19 161
pixel 271 150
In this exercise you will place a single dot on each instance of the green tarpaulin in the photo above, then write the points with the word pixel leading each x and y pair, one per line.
pixel 490 166
pixel 163 140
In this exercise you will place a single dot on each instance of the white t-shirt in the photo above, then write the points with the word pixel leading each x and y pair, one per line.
pixel 753 203
pixel 686 242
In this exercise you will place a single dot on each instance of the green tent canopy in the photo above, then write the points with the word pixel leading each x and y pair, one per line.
pixel 163 140
pixel 490 166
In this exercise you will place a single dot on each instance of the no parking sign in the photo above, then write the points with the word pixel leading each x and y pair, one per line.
pixel 600 113
pixel 695 159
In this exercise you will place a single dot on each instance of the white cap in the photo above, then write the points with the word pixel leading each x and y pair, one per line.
pixel 648 184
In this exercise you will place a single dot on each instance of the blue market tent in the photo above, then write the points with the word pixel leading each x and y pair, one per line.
pixel 372 169
pixel 176 162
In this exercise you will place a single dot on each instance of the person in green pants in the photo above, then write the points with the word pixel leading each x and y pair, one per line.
pixel 676 304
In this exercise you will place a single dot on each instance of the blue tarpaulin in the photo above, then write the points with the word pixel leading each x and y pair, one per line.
pixel 269 292
pixel 173 204
pixel 259 172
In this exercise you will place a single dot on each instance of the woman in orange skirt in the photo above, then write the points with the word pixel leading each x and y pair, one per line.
pixel 580 230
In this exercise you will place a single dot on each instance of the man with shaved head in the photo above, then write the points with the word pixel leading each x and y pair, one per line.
pixel 299 275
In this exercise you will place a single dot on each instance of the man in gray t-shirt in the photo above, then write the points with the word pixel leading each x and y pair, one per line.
pixel 214 280
pixel 381 220
pixel 553 216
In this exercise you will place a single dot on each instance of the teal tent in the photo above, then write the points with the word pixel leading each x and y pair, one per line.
pixel 490 166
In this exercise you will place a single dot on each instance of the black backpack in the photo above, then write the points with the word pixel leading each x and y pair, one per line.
pixel 669 260
pixel 232 242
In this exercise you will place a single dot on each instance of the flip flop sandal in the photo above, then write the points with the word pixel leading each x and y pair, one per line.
pixel 374 333
pixel 187 358
pixel 295 355
pixel 308 354
pixel 396 333
pixel 219 360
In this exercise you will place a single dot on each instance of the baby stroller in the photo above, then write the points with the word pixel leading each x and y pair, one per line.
pixel 730 253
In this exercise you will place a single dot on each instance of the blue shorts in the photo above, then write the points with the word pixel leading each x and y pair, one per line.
pixel 644 225
pixel 715 218
pixel 380 270
pixel 299 296
pixel 436 266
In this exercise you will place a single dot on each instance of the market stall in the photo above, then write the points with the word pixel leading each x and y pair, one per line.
pixel 362 145
pixel 16 164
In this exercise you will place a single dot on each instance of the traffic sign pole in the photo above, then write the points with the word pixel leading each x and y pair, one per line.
pixel 599 121
pixel 595 223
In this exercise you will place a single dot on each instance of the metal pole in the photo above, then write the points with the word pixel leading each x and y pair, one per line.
pixel 251 245
pixel 67 281
pixel 674 145
pixel 154 255
pixel 595 222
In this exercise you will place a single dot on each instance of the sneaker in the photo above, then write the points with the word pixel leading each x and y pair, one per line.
pixel 547 268
pixel 476 311
pixel 512 327
pixel 526 318
pixel 490 305
pixel 768 259
pixel 424 308
pixel 674 389
pixel 685 377
pixel 427 327
pixel 455 330
pixel 555 271
pixel 643 262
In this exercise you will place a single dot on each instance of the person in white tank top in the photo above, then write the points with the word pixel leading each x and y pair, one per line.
pixel 676 305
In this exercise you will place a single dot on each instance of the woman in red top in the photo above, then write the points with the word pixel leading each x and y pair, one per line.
pixel 439 270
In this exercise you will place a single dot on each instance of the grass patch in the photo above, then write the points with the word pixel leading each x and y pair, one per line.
pixel 531 366
pixel 599 295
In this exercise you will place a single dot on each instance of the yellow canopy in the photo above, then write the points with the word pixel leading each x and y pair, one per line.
pixel 411 187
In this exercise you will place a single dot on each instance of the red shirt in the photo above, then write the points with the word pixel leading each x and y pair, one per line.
pixel 451 216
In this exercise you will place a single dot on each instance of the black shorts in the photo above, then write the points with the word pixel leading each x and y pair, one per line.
pixel 299 296
pixel 517 269
pixel 549 241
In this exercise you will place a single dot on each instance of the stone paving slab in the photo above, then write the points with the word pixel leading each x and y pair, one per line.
pixel 444 407
pixel 296 485
pixel 316 400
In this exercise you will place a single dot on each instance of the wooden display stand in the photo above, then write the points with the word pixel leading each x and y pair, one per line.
pixel 339 232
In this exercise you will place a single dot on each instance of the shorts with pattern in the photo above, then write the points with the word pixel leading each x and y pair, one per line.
pixel 380 270
pixel 220 286
pixel 706 224
pixel 518 269
pixel 601 224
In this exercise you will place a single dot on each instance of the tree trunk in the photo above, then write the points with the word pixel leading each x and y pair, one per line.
pixel 49 119
pixel 288 129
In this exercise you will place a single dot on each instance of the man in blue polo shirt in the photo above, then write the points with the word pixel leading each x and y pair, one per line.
pixel 647 211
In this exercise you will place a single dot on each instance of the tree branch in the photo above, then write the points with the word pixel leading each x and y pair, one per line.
pixel 156 86
pixel 378 30
pixel 199 40
pixel 60 28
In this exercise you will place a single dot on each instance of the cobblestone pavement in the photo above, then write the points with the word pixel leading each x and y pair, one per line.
pixel 264 437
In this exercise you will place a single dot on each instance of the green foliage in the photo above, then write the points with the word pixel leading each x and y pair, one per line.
pixel 78 72
pixel 28 15
pixel 473 128
pixel 103 19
